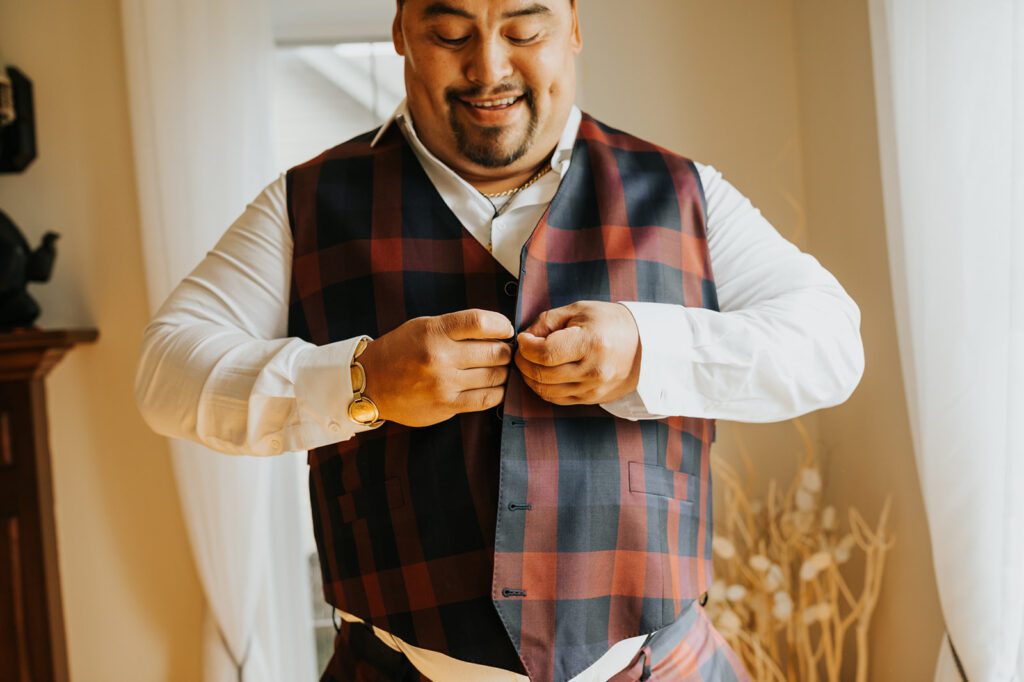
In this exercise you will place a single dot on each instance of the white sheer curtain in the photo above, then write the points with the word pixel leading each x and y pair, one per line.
pixel 950 91
pixel 199 75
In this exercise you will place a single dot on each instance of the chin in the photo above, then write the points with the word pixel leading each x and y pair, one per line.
pixel 495 148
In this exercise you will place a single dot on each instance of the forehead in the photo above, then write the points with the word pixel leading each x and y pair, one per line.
pixel 488 10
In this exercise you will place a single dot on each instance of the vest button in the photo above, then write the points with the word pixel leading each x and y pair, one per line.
pixel 511 287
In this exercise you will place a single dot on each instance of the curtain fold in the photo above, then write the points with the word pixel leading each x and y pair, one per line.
pixel 199 75
pixel 949 80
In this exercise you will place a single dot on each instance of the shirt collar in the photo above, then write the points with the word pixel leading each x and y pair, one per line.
pixel 559 160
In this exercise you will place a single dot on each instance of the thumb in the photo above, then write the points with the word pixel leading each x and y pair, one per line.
pixel 552 320
pixel 559 347
pixel 476 324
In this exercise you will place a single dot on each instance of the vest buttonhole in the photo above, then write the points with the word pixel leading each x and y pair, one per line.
pixel 516 421
pixel 507 592
pixel 512 506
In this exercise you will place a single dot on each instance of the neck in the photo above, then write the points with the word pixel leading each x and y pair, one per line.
pixel 492 185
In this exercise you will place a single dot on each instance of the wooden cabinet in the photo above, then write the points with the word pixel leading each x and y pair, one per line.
pixel 32 646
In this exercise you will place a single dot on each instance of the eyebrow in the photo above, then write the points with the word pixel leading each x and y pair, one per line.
pixel 530 10
pixel 438 9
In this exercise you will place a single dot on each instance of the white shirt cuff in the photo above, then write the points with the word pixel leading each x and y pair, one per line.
pixel 323 391
pixel 666 361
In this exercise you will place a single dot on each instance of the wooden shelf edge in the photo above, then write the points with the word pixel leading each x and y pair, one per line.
pixel 34 339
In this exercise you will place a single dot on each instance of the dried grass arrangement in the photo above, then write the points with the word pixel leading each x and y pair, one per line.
pixel 778 596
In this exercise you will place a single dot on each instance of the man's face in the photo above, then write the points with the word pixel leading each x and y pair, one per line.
pixel 489 82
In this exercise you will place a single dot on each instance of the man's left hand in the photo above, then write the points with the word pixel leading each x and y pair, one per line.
pixel 584 353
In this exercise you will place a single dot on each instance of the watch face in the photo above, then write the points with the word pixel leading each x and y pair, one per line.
pixel 363 411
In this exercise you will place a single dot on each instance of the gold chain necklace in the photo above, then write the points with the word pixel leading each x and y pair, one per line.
pixel 510 192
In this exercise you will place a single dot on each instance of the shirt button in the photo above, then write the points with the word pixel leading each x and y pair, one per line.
pixel 275 445
pixel 511 287
pixel 334 426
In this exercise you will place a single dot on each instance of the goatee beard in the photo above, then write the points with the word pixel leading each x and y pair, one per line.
pixel 489 151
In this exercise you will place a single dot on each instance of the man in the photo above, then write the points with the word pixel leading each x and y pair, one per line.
pixel 494 325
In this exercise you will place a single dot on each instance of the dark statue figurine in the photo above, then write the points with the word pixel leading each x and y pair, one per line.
pixel 19 265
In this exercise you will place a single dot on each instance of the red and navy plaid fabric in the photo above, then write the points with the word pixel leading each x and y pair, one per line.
pixel 689 650
pixel 538 536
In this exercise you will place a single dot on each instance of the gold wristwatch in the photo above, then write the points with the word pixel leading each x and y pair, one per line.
pixel 362 410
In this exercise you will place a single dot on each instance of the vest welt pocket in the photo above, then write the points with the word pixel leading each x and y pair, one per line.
pixel 652 479
pixel 372 500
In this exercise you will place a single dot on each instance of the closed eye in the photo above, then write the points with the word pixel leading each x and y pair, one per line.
pixel 524 41
pixel 453 42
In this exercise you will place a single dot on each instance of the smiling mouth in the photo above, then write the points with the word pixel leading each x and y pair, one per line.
pixel 503 103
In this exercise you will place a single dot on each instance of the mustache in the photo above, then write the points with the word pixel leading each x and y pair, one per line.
pixel 453 94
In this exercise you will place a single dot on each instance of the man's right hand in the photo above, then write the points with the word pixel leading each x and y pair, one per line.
pixel 432 368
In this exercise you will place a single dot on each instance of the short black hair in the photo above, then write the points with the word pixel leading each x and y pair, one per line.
pixel 401 3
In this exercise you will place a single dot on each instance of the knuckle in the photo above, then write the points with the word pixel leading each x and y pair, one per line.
pixel 544 354
pixel 435 325
pixel 501 353
pixel 474 317
pixel 484 399
pixel 599 344
pixel 432 354
pixel 440 391
pixel 603 372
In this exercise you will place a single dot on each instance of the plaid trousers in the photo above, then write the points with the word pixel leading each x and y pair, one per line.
pixel 688 650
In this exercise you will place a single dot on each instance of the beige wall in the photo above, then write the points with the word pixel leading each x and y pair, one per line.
pixel 132 600
pixel 868 439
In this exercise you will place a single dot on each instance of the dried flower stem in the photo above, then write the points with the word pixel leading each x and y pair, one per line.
pixel 777 567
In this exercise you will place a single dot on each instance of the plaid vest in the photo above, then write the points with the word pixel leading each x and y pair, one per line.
pixel 535 536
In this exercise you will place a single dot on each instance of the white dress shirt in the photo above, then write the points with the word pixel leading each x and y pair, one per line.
pixel 217 367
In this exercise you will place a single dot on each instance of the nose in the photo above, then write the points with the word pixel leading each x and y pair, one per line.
pixel 489 63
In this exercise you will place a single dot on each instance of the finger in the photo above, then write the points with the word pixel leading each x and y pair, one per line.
pixel 484 377
pixel 471 354
pixel 552 320
pixel 477 399
pixel 560 347
pixel 553 392
pixel 560 374
pixel 476 324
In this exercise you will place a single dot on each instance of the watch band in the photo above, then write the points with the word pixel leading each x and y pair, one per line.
pixel 362 410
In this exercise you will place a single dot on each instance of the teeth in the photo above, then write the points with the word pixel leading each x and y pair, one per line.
pixel 495 103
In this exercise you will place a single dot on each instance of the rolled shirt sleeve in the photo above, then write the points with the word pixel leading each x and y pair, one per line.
pixel 786 340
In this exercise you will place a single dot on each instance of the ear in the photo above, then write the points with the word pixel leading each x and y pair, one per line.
pixel 577 37
pixel 397 36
